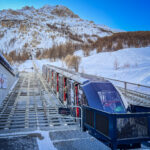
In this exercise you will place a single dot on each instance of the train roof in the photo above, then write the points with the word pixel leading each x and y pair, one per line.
pixel 69 74
pixel 78 77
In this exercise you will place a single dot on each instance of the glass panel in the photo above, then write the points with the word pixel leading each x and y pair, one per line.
pixel 132 127
pixel 111 102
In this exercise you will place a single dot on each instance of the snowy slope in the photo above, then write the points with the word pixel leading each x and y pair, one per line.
pixel 38 29
pixel 133 64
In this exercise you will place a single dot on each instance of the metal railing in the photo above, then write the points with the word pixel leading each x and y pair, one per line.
pixel 81 115
pixel 143 89
pixel 73 115
pixel 139 88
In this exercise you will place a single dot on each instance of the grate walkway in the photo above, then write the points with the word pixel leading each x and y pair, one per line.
pixel 31 107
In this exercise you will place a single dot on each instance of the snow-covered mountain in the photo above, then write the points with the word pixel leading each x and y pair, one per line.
pixel 37 29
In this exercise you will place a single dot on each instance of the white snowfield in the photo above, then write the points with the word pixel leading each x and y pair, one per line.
pixel 132 64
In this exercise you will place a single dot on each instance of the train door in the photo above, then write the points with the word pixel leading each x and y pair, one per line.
pixel 61 88
pixel 48 75
pixel 65 91
pixel 57 84
pixel 76 88
pixel 45 73
pixel 52 80
pixel 47 70
pixel 70 92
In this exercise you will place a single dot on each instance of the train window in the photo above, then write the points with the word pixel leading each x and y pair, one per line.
pixel 111 102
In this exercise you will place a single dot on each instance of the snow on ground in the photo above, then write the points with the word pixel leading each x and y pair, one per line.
pixel 132 64
pixel 45 143
pixel 26 66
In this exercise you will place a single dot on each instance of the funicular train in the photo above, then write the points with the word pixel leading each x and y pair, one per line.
pixel 107 115
pixel 72 89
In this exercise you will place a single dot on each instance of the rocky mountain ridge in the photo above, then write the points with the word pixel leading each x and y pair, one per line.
pixel 33 29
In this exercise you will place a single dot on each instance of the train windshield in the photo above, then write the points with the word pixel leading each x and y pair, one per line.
pixel 111 102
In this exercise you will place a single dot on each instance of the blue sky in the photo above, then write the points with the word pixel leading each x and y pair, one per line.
pixel 129 15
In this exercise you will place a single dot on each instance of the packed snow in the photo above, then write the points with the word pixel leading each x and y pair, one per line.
pixel 45 143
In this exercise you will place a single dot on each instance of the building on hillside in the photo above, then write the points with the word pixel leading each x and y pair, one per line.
pixel 7 78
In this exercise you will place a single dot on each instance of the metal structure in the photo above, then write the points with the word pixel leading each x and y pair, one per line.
pixel 7 78
pixel 5 63
pixel 117 130
pixel 135 94
pixel 34 105
pixel 30 107
pixel 116 127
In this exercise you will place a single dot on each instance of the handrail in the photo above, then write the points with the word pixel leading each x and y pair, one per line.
pixel 81 115
pixel 104 78
pixel 128 82
pixel 78 118
pixel 70 71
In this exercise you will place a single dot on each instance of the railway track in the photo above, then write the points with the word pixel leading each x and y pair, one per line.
pixel 31 107
pixel 136 98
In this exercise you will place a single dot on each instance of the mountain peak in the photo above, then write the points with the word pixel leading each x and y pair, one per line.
pixel 41 28
pixel 28 8
pixel 46 7
pixel 63 11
